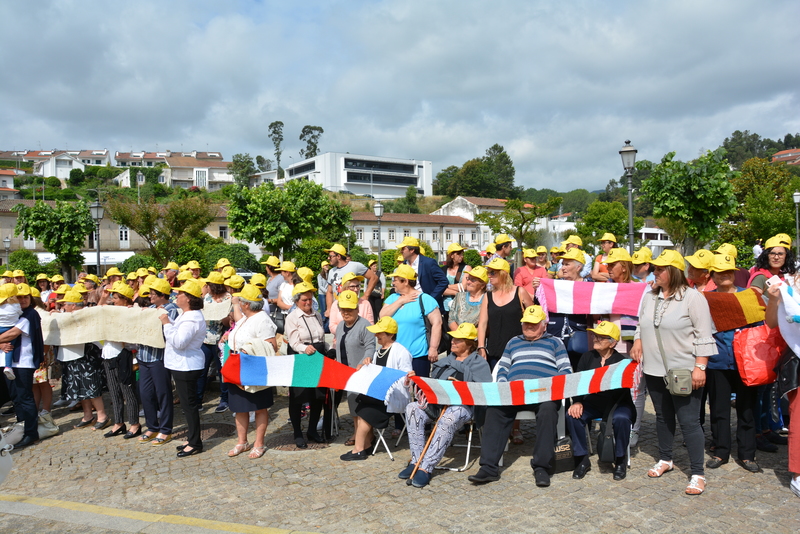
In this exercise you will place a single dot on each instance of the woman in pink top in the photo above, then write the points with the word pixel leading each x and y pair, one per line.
pixel 528 275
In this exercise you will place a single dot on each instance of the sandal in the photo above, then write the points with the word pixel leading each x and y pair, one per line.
pixel 350 442
pixel 660 468
pixel 146 437
pixel 239 449
pixel 697 485
pixel 160 441
pixel 257 452
pixel 516 437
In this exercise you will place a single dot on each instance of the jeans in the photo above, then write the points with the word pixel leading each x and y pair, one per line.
pixel 623 415
pixel 421 366
pixel 21 391
pixel 155 389
pixel 687 411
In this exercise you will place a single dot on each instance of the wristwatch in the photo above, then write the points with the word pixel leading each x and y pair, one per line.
pixel 700 366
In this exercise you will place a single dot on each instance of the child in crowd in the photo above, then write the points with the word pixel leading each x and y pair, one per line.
pixel 10 313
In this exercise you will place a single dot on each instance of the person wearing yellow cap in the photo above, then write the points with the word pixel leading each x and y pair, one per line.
pixel 574 242
pixel 340 266
pixel 222 262
pixel 454 269
pixel 776 260
pixel 615 407
pixel 676 317
pixel 10 312
pixel 217 292
pixel 503 244
pixel 541 257
pixel 532 355
pixel 463 364
pixel 322 286
pixel 171 273
pixel 642 268
pixel 600 270
pixel 253 326
pixel 305 334
pixel 20 277
pixel 274 282
pixel 284 301
pixel 113 275
pixel 353 343
pixel 742 274
pixel 43 285
pixel 531 273
pixel 555 262
pixel 697 272
pixel 374 413
pixel 376 297
pixel 466 306
pixel 117 362
pixel 351 282
pixel 430 278
pixel 409 307
pixel 183 356
pixel 155 385
pixel 724 380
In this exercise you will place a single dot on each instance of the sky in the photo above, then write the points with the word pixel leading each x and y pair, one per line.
pixel 560 85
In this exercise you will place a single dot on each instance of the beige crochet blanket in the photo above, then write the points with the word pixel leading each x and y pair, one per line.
pixel 104 323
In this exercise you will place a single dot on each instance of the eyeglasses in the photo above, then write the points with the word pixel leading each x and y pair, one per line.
pixel 492 273
pixel 777 254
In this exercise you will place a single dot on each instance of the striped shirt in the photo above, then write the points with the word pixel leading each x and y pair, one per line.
pixel 149 354
pixel 526 360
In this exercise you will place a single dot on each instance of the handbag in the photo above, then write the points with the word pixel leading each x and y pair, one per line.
pixel 605 441
pixel 278 318
pixel 578 342
pixel 678 381
pixel 757 351
pixel 563 459
pixel 125 371
pixel 320 346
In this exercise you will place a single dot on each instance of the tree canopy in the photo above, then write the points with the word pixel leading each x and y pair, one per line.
pixel 276 136
pixel 310 135
pixel 242 168
pixel 742 146
pixel 491 176
pixel 601 217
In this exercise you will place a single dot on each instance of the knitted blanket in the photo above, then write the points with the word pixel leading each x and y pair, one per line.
pixel 104 323
pixel 789 317
pixel 562 296
pixel 735 310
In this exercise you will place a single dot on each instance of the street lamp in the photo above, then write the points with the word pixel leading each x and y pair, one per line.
pixel 378 209
pixel 97 214
pixel 628 154
pixel 7 244
pixel 139 180
pixel 796 197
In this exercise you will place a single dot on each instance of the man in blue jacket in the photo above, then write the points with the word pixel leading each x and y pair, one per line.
pixel 430 277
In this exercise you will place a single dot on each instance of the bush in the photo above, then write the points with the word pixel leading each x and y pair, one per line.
pixel 65 194
pixel 76 177
pixel 472 257
pixel 52 181
pixel 24 259
pixel 238 254
pixel 358 254
pixel 197 250
pixel 311 253
pixel 137 261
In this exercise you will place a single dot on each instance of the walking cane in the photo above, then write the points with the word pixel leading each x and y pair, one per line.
pixel 425 449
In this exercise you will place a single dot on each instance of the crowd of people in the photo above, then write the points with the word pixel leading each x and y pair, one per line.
pixel 454 321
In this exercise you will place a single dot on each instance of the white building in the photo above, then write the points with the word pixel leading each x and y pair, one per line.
pixel 181 169
pixel 655 238
pixel 439 231
pixel 384 178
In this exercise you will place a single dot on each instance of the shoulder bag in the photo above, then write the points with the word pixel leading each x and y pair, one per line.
pixel 425 319
pixel 678 381
pixel 605 440
pixel 277 316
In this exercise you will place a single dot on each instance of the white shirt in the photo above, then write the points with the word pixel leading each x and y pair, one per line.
pixel 415 265
pixel 259 326
pixel 111 349
pixel 69 353
pixel 9 314
pixel 184 341
pixel 26 348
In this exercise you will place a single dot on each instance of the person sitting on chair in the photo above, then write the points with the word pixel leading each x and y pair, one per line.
pixel 463 363
pixel 534 354
pixel 588 407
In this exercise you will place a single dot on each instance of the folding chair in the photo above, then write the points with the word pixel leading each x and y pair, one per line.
pixel 382 440
pixel 468 445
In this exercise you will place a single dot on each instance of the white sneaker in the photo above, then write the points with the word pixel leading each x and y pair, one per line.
pixel 9 372
pixel 634 437
pixel 60 402
pixel 795 485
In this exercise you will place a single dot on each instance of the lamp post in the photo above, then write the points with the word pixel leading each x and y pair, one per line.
pixel 139 180
pixel 7 244
pixel 378 209
pixel 97 214
pixel 796 197
pixel 628 154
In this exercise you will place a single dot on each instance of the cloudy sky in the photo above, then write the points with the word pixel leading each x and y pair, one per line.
pixel 560 85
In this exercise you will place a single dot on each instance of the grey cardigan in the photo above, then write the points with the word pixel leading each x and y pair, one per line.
pixel 474 368
pixel 359 342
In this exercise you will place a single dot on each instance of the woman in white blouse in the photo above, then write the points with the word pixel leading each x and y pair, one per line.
pixel 183 356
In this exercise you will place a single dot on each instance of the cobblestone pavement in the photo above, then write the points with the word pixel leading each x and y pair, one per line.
pixel 314 491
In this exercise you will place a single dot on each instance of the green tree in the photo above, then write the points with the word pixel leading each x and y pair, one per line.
pixel 311 253
pixel 577 200
pixel 165 227
pixel 698 193
pixel 52 181
pixel 61 229
pixel 276 135
pixel 263 164
pixel 445 181
pixel 310 135
pixel 27 261
pixel 602 217
pixel 407 204
pixel 472 257
pixel 501 170
pixel 76 177
pixel 277 219
pixel 238 254
pixel 136 262
pixel 539 196
pixel 242 168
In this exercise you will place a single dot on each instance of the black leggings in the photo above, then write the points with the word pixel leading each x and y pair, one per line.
pixel 298 397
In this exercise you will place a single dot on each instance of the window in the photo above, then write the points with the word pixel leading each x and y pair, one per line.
pixel 406 233
pixel 391 234
pixel 474 235
pixel 97 162
pixel 360 234
pixel 30 242
pixel 200 178
pixel 375 234
pixel 435 235
pixel 485 237
pixel 124 237
pixel 421 235
pixel 448 235
pixel 123 163
pixel 140 177
pixel 162 179
pixel 223 232
pixel 461 237
pixel 5 183
pixel 149 163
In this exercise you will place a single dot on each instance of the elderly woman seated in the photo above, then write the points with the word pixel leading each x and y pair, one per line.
pixel 588 407
pixel 463 363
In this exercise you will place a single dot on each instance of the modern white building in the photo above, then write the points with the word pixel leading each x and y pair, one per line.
pixel 383 178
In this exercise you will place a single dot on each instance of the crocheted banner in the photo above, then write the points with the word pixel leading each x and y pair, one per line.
pixel 524 392
pixel 735 310
pixel 562 296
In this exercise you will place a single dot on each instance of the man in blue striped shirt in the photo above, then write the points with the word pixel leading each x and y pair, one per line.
pixel 534 354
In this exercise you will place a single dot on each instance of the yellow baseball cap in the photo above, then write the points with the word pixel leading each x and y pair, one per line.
pixel 302 287
pixel 35 292
pixel 404 271
pixel 8 274
pixel 7 291
pixel 541 250
pixel 63 288
pixel 71 296
pixel 371 263
pixel 465 331
pixel 606 328
pixel 249 292
pixel 348 300
pixel 498 264
pixel 480 273
pixel 324 263
pixel 287 266
pixel 399 258
pixel 608 237
pixel 454 247
pixel 123 289
pixel 57 278
pixel 338 249
pixel 131 276
pixel 171 266
pixel 409 241
pixel 305 274
pixel 528 253
pixel 141 272
pixel 272 261
pixel 144 290
pixel 617 254
pixel 643 255
pixel 222 262
pixel 573 239
pixel 385 324
pixel 553 250
pixel 533 314
pixel 785 237
pixel 352 276
pixel 113 272
pixel 727 248
pixel 669 257
pixel 191 287
pixel 149 279
pixel 259 280
pixel 491 248
pixel 23 290
pixel 774 241
pixel 721 263
pixel 215 277
pixel 152 270
pixel 193 265
pixel 19 272
pixel 574 254
pixel 228 271
pixel 42 276
pixel 93 278
pixel 185 275
pixel 235 281
pixel 702 259
pixel 80 288
pixel 501 239
pixel 160 285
